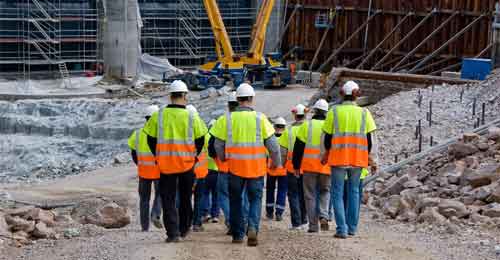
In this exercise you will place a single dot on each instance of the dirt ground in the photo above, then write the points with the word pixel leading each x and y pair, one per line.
pixel 377 239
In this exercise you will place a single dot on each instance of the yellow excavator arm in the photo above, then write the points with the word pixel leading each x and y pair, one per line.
pixel 223 46
pixel 255 54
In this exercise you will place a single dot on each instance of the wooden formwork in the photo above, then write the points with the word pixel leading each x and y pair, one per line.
pixel 349 15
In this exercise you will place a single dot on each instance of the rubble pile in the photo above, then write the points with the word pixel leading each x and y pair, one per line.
pixel 460 185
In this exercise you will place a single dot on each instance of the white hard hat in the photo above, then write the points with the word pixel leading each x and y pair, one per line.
pixel 178 86
pixel 299 109
pixel 350 87
pixel 245 90
pixel 232 97
pixel 192 109
pixel 152 109
pixel 321 104
pixel 280 121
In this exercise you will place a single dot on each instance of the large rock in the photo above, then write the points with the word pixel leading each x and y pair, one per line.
pixel 424 203
pixel 21 237
pixel 19 224
pixel 452 208
pixel 392 206
pixel 395 186
pixel 40 215
pixel 492 210
pixel 484 192
pixel 471 137
pixel 494 134
pixel 20 212
pixel 101 212
pixel 460 150
pixel 4 228
pixel 495 194
pixel 484 176
pixel 42 231
pixel 432 216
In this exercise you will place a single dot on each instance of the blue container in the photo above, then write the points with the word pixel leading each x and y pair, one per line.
pixel 476 69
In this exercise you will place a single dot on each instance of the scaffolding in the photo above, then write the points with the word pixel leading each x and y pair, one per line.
pixel 65 36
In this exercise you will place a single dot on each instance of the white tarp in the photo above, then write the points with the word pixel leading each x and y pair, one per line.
pixel 150 67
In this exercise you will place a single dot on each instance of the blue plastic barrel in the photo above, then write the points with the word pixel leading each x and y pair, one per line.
pixel 476 69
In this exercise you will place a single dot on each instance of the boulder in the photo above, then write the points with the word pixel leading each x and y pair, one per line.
pixel 452 208
pixel 484 176
pixel 40 215
pixel 4 228
pixel 494 134
pixel 122 158
pixel 395 186
pixel 432 216
pixel 392 206
pixel 20 212
pixel 19 224
pixel 101 212
pixel 461 150
pixel 484 192
pixel 42 231
pixel 424 203
pixel 21 237
pixel 492 210
pixel 412 184
pixel 471 137
pixel 495 195
pixel 483 146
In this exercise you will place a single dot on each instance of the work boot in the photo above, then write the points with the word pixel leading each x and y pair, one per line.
pixel 252 238
pixel 172 240
pixel 324 224
pixel 214 220
pixel 229 232
pixel 185 234
pixel 340 236
pixel 237 241
pixel 269 216
pixel 279 217
pixel 205 219
pixel 157 222
pixel 198 228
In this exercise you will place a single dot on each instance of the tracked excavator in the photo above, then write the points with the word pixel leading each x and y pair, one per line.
pixel 253 66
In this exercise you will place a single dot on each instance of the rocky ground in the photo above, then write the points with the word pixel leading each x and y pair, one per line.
pixel 379 237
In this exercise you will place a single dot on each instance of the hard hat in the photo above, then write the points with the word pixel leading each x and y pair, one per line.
pixel 280 121
pixel 192 109
pixel 245 90
pixel 321 104
pixel 299 109
pixel 178 86
pixel 232 97
pixel 152 109
pixel 350 88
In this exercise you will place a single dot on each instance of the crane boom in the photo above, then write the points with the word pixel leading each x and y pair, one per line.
pixel 223 46
pixel 255 54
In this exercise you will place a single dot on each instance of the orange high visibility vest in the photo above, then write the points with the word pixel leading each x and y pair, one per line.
pixel 311 162
pixel 349 148
pixel 201 167
pixel 289 155
pixel 247 160
pixel 146 161
pixel 223 167
pixel 279 171
pixel 175 156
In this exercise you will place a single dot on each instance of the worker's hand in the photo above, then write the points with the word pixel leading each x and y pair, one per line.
pixel 272 166
pixel 324 159
pixel 296 172
pixel 373 165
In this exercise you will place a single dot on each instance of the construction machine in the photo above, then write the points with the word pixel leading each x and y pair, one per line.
pixel 253 66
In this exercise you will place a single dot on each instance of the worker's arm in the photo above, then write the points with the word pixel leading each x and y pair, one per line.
pixel 327 141
pixel 298 153
pixel 220 148
pixel 211 148
pixel 370 145
pixel 199 143
pixel 284 155
pixel 134 156
pixel 152 144
pixel 273 148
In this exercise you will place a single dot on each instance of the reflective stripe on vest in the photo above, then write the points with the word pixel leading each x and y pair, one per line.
pixel 246 160
pixel 175 156
pixel 349 148
pixel 201 167
pixel 311 162
pixel 146 161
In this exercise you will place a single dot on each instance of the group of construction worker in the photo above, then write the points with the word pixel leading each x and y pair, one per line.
pixel 317 161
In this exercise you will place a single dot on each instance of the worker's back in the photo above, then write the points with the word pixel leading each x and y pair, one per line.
pixel 146 161
pixel 310 134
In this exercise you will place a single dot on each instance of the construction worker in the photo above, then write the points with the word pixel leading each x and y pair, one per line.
pixel 211 207
pixel 148 173
pixel 241 138
pixel 316 177
pixel 177 136
pixel 295 190
pixel 347 142
pixel 276 176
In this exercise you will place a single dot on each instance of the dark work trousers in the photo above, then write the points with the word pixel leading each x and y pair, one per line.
pixel 145 200
pixel 177 221
pixel 296 200
pixel 199 197
pixel 211 201
pixel 277 204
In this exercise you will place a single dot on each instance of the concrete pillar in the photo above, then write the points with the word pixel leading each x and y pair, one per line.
pixel 121 38
pixel 495 52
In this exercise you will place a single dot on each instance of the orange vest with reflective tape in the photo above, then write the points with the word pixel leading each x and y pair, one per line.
pixel 223 167
pixel 247 160
pixel 175 156
pixel 146 161
pixel 349 148
pixel 279 171
pixel 311 162
pixel 201 167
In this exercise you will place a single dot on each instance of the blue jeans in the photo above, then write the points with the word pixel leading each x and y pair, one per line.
pixel 223 195
pixel 254 188
pixel 349 225
pixel 199 197
pixel 280 196
pixel 210 200
pixel 296 200
pixel 360 193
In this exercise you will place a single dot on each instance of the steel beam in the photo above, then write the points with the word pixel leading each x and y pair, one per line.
pixel 422 22
pixel 316 53
pixel 374 50
pixel 437 63
pixel 423 42
pixel 354 34
pixel 452 39
pixel 409 65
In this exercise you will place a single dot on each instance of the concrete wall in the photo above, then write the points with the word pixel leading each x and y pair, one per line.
pixel 121 39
